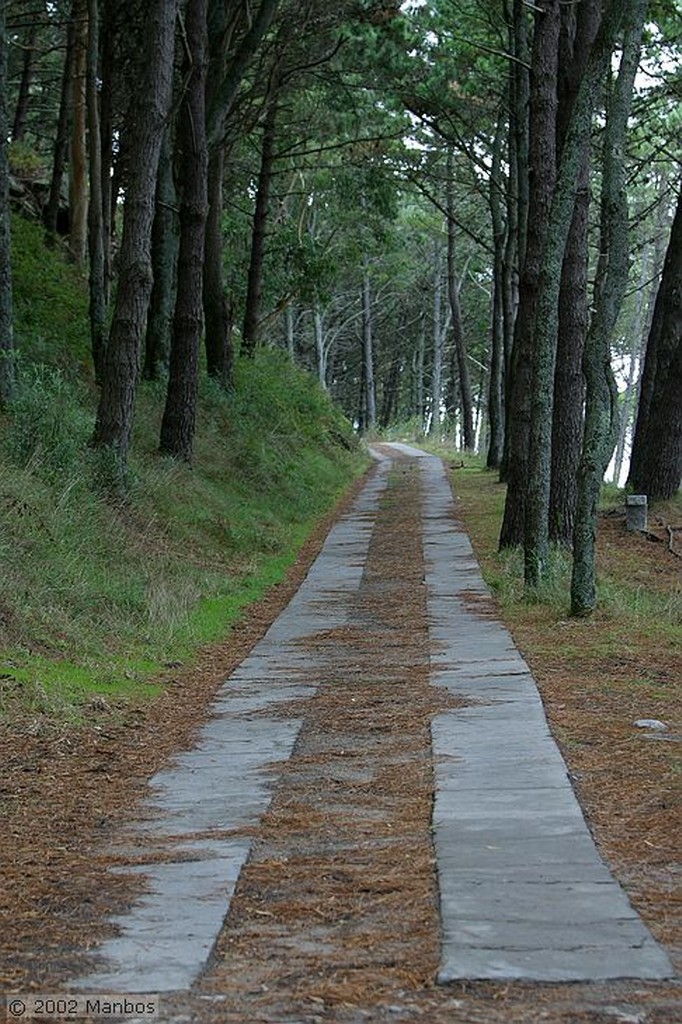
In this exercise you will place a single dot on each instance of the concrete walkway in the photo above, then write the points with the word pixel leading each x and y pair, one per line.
pixel 523 891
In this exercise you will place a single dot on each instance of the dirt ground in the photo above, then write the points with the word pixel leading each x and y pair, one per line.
pixel 335 914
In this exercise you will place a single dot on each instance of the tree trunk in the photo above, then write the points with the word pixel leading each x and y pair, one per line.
pixel 569 387
pixel 217 316
pixel 612 275
pixel 542 176
pixel 61 146
pixel 656 465
pixel 290 316
pixel 368 352
pixel 495 408
pixel 6 316
pixel 27 65
pixel 254 289
pixel 390 397
pixel 637 334
pixel 164 267
pixel 517 203
pixel 418 369
pixel 536 540
pixel 438 343
pixel 78 190
pixel 106 128
pixel 521 102
pixel 579 28
pixel 465 394
pixel 321 355
pixel 179 417
pixel 121 369
pixel 95 212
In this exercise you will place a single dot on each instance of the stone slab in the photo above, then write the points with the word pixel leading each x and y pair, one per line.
pixel 224 783
pixel 523 891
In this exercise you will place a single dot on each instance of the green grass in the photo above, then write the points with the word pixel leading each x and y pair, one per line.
pixel 639 588
pixel 99 595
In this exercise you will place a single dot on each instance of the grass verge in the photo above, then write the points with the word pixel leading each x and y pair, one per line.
pixel 99 596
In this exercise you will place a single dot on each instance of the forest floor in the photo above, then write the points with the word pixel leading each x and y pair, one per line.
pixel 335 915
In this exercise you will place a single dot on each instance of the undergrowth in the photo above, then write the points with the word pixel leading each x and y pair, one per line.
pixel 639 583
pixel 98 595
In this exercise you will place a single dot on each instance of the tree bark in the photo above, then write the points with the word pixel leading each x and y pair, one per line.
pixel 368 352
pixel 6 315
pixel 27 67
pixel 536 539
pixel 61 146
pixel 542 177
pixel 217 316
pixel 165 238
pixel 106 128
pixel 656 464
pixel 579 28
pixel 495 406
pixel 78 190
pixel 97 281
pixel 320 352
pixel 517 205
pixel 612 275
pixel 121 369
pixel 465 394
pixel 290 318
pixel 438 343
pixel 254 289
pixel 179 417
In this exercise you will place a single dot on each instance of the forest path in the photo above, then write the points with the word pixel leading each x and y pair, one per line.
pixel 377 797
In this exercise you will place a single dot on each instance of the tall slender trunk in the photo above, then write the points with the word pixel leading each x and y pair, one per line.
pixel 518 89
pixel 495 409
pixel 656 464
pixel 438 343
pixel 389 402
pixel 106 128
pixel 542 178
pixel 521 122
pixel 290 317
pixel 61 145
pixel 78 190
pixel 179 417
pixel 579 28
pixel 612 275
pixel 6 315
pixel 165 242
pixel 98 302
pixel 25 82
pixel 122 361
pixel 254 289
pixel 637 336
pixel 318 323
pixel 465 393
pixel 418 364
pixel 368 352
pixel 217 315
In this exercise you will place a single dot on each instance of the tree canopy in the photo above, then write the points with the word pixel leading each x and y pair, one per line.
pixel 456 214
